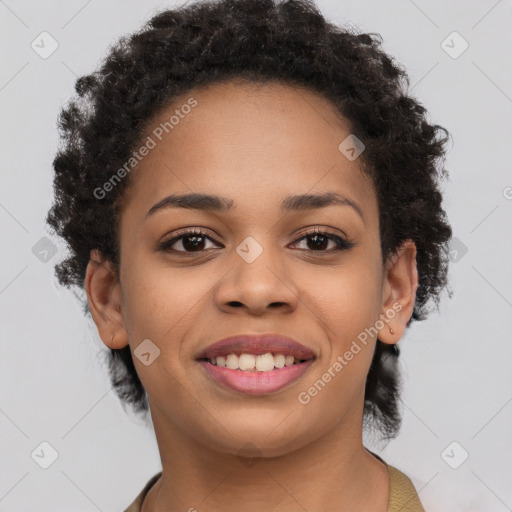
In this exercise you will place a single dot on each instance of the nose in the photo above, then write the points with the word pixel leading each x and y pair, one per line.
pixel 257 287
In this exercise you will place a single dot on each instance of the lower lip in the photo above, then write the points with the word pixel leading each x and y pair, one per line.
pixel 256 383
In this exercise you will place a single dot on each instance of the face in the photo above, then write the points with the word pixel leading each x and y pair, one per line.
pixel 255 147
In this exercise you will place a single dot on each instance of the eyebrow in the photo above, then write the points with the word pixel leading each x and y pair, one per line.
pixel 207 202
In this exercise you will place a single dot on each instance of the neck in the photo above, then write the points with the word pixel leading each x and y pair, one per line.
pixel 333 472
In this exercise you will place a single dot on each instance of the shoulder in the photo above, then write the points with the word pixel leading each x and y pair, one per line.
pixel 402 494
pixel 137 504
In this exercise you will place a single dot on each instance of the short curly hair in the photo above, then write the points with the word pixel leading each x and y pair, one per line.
pixel 288 42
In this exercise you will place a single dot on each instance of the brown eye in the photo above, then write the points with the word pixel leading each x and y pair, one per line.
pixel 318 241
pixel 196 241
pixel 187 242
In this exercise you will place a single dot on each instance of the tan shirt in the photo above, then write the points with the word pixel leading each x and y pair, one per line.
pixel 402 494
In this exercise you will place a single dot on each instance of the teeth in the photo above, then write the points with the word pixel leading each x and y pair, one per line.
pixel 251 362
pixel 265 362
pixel 232 361
pixel 289 360
pixel 246 362
pixel 279 360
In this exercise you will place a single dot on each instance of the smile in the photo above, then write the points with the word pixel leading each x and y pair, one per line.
pixel 255 375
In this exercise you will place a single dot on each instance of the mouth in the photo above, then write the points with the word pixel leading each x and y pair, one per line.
pixel 246 362
pixel 256 364
pixel 243 345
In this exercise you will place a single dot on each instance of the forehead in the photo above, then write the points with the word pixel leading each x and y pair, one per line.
pixel 252 142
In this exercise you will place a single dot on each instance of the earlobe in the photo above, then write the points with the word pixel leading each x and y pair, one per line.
pixel 399 292
pixel 103 295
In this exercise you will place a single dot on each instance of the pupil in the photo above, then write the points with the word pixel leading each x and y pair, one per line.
pixel 315 239
pixel 195 244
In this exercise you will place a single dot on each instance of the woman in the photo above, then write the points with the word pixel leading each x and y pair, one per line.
pixel 251 201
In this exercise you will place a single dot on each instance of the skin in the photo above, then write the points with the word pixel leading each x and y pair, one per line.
pixel 254 145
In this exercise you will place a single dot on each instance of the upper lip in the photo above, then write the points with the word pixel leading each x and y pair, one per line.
pixel 257 344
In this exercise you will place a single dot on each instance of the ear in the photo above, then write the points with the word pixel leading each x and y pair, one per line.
pixel 104 297
pixel 399 292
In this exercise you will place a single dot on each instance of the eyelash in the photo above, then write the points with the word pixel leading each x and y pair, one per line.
pixel 341 243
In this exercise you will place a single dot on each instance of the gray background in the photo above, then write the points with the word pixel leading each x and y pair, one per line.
pixel 456 365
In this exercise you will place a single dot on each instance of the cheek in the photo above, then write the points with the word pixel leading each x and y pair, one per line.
pixel 348 305
pixel 161 301
pixel 347 299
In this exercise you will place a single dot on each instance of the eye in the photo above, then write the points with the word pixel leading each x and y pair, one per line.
pixel 195 241
pixel 317 241
pixel 191 241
